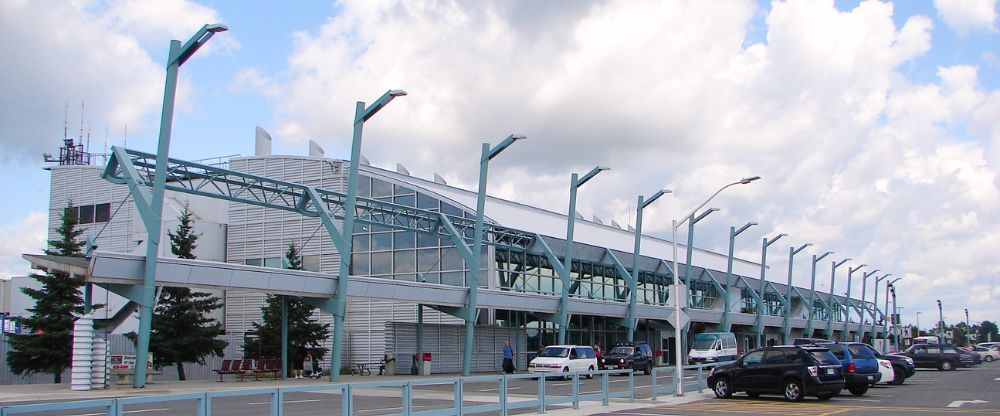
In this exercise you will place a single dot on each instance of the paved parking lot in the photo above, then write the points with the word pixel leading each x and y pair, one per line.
pixel 973 391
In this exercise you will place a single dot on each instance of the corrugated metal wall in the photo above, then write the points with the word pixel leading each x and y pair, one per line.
pixel 445 343
pixel 119 344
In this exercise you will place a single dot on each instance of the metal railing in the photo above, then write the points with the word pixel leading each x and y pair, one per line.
pixel 699 383
pixel 540 401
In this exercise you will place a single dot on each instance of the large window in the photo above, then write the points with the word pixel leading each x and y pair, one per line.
pixel 703 294
pixel 89 214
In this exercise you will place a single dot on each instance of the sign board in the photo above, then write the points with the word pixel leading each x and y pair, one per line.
pixel 127 361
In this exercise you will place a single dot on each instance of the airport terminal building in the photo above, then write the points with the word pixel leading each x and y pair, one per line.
pixel 404 271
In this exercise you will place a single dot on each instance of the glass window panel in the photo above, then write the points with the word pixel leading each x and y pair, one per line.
pixel 272 262
pixel 403 240
pixel 426 201
pixel 402 190
pixel 428 260
pixel 450 209
pixel 381 241
pixel 360 243
pixel 409 277
pixel 406 200
pixel 360 265
pixel 432 277
pixel 310 262
pixel 404 261
pixel 86 214
pixel 427 240
pixel 381 263
pixel 102 213
pixel 451 260
pixel 452 278
pixel 381 188
pixel 254 262
pixel 364 186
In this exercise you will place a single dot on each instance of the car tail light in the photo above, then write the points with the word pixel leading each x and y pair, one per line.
pixel 851 368
pixel 813 371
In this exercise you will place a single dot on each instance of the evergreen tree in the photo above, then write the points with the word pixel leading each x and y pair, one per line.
pixel 48 349
pixel 304 333
pixel 181 332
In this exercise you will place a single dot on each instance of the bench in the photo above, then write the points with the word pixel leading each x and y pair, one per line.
pixel 362 368
pixel 123 376
pixel 272 366
pixel 231 367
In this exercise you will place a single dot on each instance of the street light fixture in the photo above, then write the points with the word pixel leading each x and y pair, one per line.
pixel 759 325
pixel 633 297
pixel 152 214
pixel 678 354
pixel 968 328
pixel 895 322
pixel 792 251
pixel 812 293
pixel 477 246
pixel 830 299
pixel 940 321
pixel 861 313
pixel 575 182
pixel 846 334
pixel 733 232
pixel 885 311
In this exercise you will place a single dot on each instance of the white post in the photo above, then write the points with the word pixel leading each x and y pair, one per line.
pixel 82 355
pixel 99 364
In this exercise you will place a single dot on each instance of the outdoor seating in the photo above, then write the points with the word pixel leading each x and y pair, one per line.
pixel 272 366
pixel 228 367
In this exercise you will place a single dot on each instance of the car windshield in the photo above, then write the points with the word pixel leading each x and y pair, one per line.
pixel 555 352
pixel 703 344
pixel 824 357
pixel 622 350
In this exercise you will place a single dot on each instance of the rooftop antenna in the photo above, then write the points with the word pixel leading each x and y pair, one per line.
pixel 82 107
pixel 66 121
pixel 125 138
pixel 106 139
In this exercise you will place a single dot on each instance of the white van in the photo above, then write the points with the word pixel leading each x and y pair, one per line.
pixel 713 347
pixel 564 359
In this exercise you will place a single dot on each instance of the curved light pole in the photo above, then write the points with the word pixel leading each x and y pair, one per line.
pixel 831 299
pixel 895 322
pixel 968 327
pixel 940 319
pixel 792 251
pixel 845 333
pixel 733 232
pixel 575 182
pixel 884 311
pixel 679 297
pixel 477 246
pixel 861 313
pixel 633 297
pixel 812 294
pixel 759 325
pixel 152 214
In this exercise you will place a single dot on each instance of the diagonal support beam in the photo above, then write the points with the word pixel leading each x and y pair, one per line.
pixel 628 322
pixel 562 317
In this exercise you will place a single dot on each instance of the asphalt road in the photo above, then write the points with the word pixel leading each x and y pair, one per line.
pixel 971 391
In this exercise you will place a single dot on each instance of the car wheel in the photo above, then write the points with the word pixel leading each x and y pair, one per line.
pixel 566 370
pixel 946 365
pixel 858 390
pixel 589 376
pixel 722 389
pixel 898 375
pixel 989 359
pixel 793 391
pixel 824 396
pixel 648 370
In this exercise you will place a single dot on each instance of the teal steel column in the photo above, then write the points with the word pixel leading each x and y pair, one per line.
pixel 88 299
pixel 284 336
pixel 477 244
pixel 875 308
pixel 361 114
pixel 812 293
pixel 574 183
pixel 759 325
pixel 727 325
pixel 420 335
pixel 153 215
pixel 692 220
pixel 861 313
pixel 786 327
pixel 940 319
pixel 831 299
pixel 895 324
pixel 633 285
pixel 845 333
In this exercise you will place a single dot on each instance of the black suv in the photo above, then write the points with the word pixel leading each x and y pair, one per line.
pixel 632 355
pixel 793 370
pixel 940 356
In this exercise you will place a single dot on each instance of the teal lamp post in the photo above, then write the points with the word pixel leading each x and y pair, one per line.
pixel 759 326
pixel 787 329
pixel 727 324
pixel 812 293
pixel 862 309
pixel 575 182
pixel 831 299
pixel 477 246
pixel 682 297
pixel 885 311
pixel 845 333
pixel 633 285
pixel 152 214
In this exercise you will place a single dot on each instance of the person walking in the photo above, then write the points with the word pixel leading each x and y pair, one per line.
pixel 508 358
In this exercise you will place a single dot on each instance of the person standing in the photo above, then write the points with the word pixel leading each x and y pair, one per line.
pixel 508 358
pixel 307 366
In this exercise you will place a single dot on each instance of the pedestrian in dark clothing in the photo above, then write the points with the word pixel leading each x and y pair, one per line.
pixel 508 358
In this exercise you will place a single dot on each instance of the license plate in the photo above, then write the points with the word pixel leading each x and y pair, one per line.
pixel 871 378
pixel 830 371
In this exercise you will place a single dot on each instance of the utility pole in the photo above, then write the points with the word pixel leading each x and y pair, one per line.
pixel 968 329
pixel 940 321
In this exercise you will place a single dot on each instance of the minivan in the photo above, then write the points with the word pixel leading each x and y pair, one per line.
pixel 713 347
pixel 564 359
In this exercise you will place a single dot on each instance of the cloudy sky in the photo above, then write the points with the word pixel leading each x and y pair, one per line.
pixel 876 126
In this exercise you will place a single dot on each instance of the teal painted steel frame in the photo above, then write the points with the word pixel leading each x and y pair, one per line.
pixel 845 333
pixel 640 205
pixel 727 324
pixel 812 294
pixel 574 183
pixel 862 307
pixel 831 299
pixel 758 325
pixel 875 310
pixel 786 328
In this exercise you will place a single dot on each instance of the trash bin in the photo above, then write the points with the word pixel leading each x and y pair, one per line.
pixel 658 359
pixel 390 364
pixel 425 365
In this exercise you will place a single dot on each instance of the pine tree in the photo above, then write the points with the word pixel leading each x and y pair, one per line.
pixel 304 333
pixel 181 331
pixel 49 349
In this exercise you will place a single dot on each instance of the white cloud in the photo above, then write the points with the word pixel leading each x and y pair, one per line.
pixel 16 238
pixel 965 16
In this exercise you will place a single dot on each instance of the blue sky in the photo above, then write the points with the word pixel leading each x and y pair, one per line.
pixel 874 124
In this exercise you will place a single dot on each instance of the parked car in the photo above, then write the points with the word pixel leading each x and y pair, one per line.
pixel 988 354
pixel 792 370
pixel 902 367
pixel 713 347
pixel 886 375
pixel 859 363
pixel 563 359
pixel 968 357
pixel 988 344
pixel 809 341
pixel 940 356
pixel 632 355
